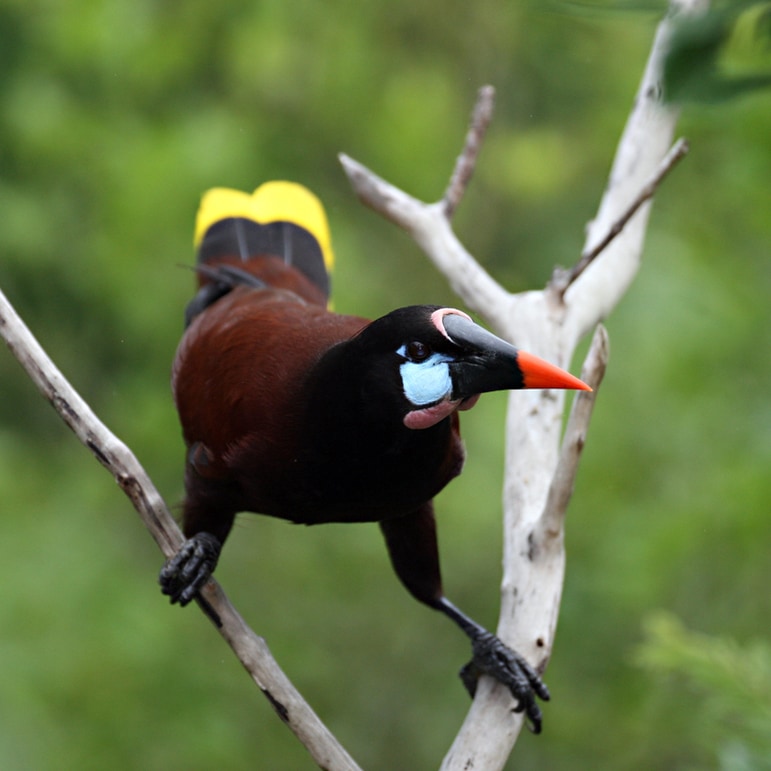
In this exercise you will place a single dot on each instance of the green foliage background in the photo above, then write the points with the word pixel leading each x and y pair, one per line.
pixel 114 117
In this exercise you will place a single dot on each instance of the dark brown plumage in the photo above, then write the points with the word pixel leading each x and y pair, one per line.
pixel 292 411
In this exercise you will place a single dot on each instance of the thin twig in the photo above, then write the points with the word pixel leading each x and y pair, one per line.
pixel 116 457
pixel 562 279
pixel 467 160
pixel 576 429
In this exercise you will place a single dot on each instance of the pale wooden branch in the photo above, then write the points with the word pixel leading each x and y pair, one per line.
pixel 467 160
pixel 115 456
pixel 539 477
pixel 562 279
pixel 106 447
pixel 550 525
pixel 430 228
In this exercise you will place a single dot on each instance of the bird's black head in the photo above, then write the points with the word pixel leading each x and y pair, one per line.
pixel 425 362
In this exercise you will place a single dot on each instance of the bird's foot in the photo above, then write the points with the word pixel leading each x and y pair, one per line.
pixel 492 657
pixel 184 575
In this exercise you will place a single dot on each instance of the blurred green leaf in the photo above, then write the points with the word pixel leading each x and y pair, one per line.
pixel 727 685
pixel 719 54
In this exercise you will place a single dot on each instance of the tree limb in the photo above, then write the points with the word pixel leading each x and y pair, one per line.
pixel 561 489
pixel 562 279
pixel 467 160
pixel 539 477
pixel 115 456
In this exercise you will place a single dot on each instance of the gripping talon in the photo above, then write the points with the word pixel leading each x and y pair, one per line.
pixel 185 574
pixel 492 657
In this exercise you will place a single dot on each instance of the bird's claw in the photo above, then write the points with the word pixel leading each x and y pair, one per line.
pixel 184 575
pixel 492 657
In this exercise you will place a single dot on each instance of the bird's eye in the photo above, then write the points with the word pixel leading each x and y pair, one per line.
pixel 417 351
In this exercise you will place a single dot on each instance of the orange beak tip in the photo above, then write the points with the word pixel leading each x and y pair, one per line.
pixel 579 386
pixel 538 373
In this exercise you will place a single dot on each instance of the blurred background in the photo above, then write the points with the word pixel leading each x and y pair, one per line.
pixel 114 117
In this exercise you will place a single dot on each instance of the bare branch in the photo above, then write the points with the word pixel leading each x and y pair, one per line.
pixel 561 489
pixel 106 447
pixel 467 160
pixel 429 227
pixel 116 457
pixel 562 279
pixel 381 196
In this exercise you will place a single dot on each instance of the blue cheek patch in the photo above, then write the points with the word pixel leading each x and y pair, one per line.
pixel 426 382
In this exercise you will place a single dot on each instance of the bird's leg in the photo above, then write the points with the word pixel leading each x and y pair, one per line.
pixel 412 545
pixel 183 576
pixel 490 656
pixel 207 518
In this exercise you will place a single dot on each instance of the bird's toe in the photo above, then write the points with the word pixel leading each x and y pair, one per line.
pixel 492 657
pixel 185 574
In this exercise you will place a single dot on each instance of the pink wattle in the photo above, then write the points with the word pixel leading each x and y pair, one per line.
pixel 430 416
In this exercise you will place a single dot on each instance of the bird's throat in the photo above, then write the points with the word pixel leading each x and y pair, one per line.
pixel 430 416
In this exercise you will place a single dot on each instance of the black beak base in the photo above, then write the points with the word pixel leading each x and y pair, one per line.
pixel 488 363
pixel 491 364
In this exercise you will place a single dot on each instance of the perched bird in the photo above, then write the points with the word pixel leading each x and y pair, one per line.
pixel 292 411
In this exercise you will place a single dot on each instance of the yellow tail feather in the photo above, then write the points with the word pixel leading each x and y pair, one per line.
pixel 275 201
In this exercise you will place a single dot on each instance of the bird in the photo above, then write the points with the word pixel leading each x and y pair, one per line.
pixel 289 409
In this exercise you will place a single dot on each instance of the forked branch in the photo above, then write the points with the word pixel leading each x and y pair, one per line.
pixel 539 477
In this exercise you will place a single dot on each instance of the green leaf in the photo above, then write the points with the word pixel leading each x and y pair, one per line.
pixel 720 54
pixel 730 686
